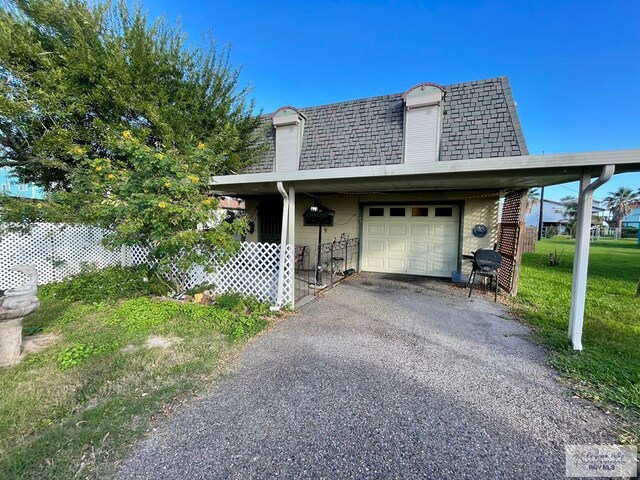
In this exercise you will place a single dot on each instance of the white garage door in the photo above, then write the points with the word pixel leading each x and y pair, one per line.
pixel 413 239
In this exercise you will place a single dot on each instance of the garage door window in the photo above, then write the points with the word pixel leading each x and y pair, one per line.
pixel 419 212
pixel 444 212
pixel 376 212
pixel 396 212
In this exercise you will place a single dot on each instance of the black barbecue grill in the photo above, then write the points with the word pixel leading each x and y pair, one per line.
pixel 486 264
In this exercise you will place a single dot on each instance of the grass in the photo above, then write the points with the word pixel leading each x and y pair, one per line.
pixel 75 409
pixel 608 369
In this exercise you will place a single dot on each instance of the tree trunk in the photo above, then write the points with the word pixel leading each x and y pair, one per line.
pixel 619 229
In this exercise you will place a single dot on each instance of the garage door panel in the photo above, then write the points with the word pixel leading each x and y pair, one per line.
pixel 396 265
pixel 375 264
pixel 417 230
pixel 397 246
pixel 374 246
pixel 419 245
pixel 398 229
pixel 375 229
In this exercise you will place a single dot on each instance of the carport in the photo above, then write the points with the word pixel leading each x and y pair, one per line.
pixel 511 175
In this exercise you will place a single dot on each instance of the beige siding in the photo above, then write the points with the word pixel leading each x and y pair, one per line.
pixel 479 211
pixel 478 207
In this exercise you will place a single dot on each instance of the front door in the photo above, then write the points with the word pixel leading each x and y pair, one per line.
pixel 270 220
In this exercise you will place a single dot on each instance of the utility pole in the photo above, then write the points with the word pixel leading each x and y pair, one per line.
pixel 541 213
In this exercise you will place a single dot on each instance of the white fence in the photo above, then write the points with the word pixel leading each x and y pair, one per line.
pixel 58 251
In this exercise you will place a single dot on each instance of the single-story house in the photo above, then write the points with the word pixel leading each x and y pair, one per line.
pixel 416 177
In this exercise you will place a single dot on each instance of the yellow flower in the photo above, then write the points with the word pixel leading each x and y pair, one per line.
pixel 98 168
pixel 208 201
pixel 111 176
pixel 201 146
pixel 159 156
pixel 162 204
pixel 193 178
pixel 127 134
pixel 167 184
pixel 78 150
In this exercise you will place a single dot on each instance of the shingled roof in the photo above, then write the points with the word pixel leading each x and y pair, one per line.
pixel 479 121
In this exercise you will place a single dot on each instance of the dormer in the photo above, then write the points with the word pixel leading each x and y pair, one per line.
pixel 289 125
pixel 422 123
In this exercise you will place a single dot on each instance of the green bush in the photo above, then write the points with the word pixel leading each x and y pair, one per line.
pixel 629 232
pixel 80 352
pixel 236 302
pixel 106 285
pixel 140 315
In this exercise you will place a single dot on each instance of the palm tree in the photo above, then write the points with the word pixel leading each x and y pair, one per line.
pixel 570 207
pixel 620 203
pixel 533 198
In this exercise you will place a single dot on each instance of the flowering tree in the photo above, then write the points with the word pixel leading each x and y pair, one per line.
pixel 122 125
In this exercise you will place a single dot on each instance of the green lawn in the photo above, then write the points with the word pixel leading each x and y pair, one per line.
pixel 74 410
pixel 608 369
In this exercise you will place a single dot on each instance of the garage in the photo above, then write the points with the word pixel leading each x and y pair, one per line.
pixel 411 239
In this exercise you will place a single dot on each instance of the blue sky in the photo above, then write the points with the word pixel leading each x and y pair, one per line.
pixel 574 66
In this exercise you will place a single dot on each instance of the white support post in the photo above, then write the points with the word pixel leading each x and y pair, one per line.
pixel 291 240
pixel 581 255
pixel 283 245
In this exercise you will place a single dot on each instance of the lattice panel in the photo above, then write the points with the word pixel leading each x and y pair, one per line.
pixel 56 251
pixel 254 271
pixel 509 239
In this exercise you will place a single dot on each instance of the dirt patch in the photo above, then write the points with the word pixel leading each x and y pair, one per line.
pixel 37 343
pixel 161 342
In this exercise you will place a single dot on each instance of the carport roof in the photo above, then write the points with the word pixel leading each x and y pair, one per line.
pixel 524 171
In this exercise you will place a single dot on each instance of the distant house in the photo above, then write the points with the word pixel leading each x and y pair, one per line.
pixel 633 219
pixel 553 215
pixel 9 185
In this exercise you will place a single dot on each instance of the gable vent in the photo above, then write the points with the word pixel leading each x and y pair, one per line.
pixel 289 125
pixel 422 121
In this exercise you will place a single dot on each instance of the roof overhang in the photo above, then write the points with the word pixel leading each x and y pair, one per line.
pixel 524 171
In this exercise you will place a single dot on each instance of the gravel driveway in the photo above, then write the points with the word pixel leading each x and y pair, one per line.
pixel 383 377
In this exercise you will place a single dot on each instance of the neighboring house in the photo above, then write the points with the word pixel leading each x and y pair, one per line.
pixel 9 185
pixel 553 215
pixel 415 176
pixel 633 219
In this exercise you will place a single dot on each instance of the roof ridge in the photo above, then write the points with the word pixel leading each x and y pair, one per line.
pixel 389 95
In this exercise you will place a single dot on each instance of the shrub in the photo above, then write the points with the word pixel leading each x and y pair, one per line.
pixel 104 286
pixel 629 232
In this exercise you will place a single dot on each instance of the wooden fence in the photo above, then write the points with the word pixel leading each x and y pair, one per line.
pixel 530 239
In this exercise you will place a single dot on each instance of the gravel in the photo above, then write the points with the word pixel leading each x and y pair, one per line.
pixel 382 377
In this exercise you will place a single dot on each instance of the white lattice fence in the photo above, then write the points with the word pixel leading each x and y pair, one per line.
pixel 56 251
pixel 252 271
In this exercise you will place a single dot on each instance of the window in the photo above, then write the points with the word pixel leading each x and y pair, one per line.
pixel 419 212
pixel 5 187
pixel 22 187
pixel 444 212
pixel 376 212
pixel 396 212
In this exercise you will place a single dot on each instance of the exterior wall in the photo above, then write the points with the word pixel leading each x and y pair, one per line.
pixel 479 211
pixel 477 207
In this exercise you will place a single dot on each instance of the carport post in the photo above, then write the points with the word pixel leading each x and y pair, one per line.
pixel 581 255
